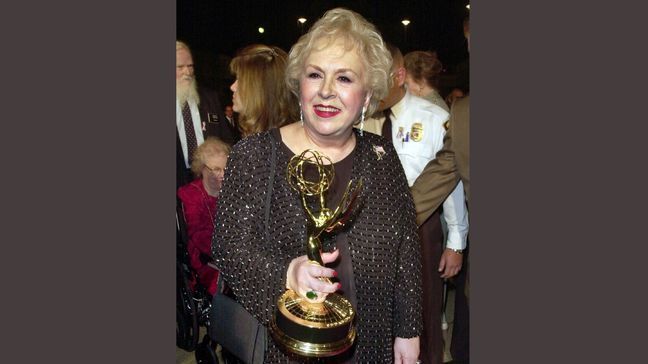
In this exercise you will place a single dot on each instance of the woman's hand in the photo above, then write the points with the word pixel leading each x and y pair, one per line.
pixel 303 276
pixel 406 351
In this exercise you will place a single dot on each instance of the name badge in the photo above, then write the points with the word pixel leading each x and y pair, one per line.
pixel 212 118
pixel 416 133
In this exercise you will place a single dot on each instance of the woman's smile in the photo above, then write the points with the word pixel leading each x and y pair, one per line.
pixel 325 111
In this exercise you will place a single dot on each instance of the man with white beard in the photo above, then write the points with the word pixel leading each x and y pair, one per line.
pixel 198 115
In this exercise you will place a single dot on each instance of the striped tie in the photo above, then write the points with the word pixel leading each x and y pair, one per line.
pixel 192 143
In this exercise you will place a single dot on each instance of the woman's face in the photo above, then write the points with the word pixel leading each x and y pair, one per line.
pixel 332 89
pixel 213 171
pixel 237 105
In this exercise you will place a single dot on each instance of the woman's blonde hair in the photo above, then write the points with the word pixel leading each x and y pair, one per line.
pixel 212 146
pixel 360 35
pixel 267 102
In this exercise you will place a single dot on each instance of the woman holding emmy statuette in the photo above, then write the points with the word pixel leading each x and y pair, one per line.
pixel 316 232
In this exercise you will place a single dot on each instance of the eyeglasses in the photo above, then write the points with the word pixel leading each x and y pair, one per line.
pixel 215 170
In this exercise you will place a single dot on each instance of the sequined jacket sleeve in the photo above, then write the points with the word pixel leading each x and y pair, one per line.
pixel 385 250
pixel 249 264
pixel 407 290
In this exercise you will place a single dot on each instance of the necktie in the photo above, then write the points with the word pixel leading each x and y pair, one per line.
pixel 192 143
pixel 387 125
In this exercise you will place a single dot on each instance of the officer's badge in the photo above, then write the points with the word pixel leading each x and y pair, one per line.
pixel 416 133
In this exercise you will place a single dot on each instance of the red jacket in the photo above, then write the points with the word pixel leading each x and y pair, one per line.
pixel 199 212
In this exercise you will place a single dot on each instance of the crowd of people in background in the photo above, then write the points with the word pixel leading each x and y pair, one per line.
pixel 379 116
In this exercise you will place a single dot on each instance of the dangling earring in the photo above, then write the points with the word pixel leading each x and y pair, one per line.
pixel 362 117
pixel 301 114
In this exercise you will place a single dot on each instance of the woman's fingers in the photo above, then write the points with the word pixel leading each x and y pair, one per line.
pixel 330 257
pixel 324 286
pixel 311 280
pixel 317 271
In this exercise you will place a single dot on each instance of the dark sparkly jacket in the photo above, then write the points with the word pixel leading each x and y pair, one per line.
pixel 383 241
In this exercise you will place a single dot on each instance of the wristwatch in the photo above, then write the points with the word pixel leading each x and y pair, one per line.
pixel 458 251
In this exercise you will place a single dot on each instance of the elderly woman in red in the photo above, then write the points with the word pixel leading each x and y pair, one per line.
pixel 199 205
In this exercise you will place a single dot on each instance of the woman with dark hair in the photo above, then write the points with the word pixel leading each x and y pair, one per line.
pixel 260 95
pixel 423 70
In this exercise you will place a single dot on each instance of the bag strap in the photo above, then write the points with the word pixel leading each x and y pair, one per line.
pixel 273 168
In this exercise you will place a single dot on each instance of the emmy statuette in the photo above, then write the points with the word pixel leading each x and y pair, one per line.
pixel 303 327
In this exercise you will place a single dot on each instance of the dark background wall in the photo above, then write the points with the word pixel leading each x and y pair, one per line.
pixel 216 29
